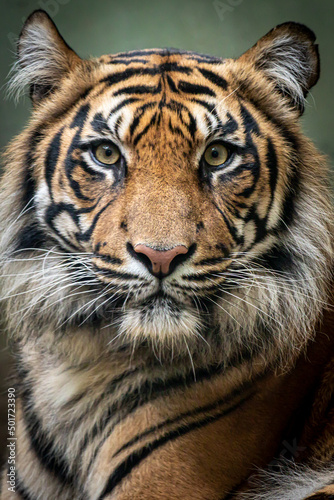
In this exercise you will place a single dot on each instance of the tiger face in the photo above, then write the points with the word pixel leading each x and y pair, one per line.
pixel 157 185
pixel 160 179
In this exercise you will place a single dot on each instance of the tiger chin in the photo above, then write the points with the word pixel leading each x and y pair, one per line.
pixel 167 256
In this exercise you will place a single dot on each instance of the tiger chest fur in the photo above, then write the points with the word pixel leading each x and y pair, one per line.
pixel 166 266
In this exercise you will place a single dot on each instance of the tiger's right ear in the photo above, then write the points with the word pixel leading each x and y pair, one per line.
pixel 44 58
pixel 289 57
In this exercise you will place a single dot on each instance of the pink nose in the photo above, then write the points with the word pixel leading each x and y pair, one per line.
pixel 161 259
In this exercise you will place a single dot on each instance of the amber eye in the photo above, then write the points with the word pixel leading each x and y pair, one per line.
pixel 106 153
pixel 216 154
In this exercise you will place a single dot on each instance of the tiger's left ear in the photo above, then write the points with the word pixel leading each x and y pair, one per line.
pixel 44 58
pixel 288 56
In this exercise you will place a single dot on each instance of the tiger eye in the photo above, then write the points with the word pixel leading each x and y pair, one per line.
pixel 107 153
pixel 216 154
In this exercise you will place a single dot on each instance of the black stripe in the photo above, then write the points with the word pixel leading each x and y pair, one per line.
pixel 260 224
pixel 207 105
pixel 51 159
pixel 208 121
pixel 192 127
pixel 94 174
pixel 29 183
pixel 229 496
pixel 178 131
pixel 210 261
pixel 107 258
pixel 271 159
pixel 212 110
pixel 70 164
pixel 42 443
pixel 230 126
pixel 28 186
pixel 139 89
pixel 171 84
pixel 63 111
pixel 214 78
pixel 128 61
pixel 203 58
pixel 77 122
pixel 178 107
pixel 121 76
pixel 145 130
pixel 191 88
pixel 211 288
pixel 100 124
pixel 118 123
pixel 294 103
pixel 228 204
pixel 140 395
pixel 156 70
pixel 122 104
pixel 87 234
pixel 192 413
pixel 249 122
pixel 232 230
pixel 284 130
pixel 196 56
pixel 115 274
pixel 279 259
pixel 53 211
pixel 80 117
pixel 232 174
pixel 135 458
pixel 31 236
pixel 135 53
pixel 138 115
pixel 75 186
pixel 175 67
pixel 201 277
pixel 175 129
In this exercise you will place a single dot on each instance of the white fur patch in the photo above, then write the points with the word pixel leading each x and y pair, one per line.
pixel 297 483
pixel 41 61
pixel 285 63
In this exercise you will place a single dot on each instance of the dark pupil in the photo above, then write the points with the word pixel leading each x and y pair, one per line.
pixel 214 153
pixel 107 151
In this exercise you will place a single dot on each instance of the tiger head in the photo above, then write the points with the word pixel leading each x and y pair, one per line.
pixel 166 196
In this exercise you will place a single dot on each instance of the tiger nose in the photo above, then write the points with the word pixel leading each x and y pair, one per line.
pixel 160 261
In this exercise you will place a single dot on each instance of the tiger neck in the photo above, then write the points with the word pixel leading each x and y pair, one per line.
pixel 114 408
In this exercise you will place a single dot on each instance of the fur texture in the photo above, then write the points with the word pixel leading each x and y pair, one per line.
pixel 294 483
pixel 124 374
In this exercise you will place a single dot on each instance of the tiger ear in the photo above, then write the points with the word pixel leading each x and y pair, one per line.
pixel 288 56
pixel 44 58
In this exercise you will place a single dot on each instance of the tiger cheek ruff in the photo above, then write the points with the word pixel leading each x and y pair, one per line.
pixel 166 274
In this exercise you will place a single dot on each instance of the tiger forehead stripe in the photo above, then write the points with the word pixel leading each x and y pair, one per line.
pixel 165 68
pixel 100 124
pixel 117 77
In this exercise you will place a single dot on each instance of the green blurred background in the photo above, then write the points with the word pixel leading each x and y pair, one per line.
pixel 223 28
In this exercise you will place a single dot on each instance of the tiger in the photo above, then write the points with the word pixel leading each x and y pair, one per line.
pixel 167 252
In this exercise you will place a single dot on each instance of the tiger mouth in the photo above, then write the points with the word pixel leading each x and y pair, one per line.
pixel 160 299
pixel 170 299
